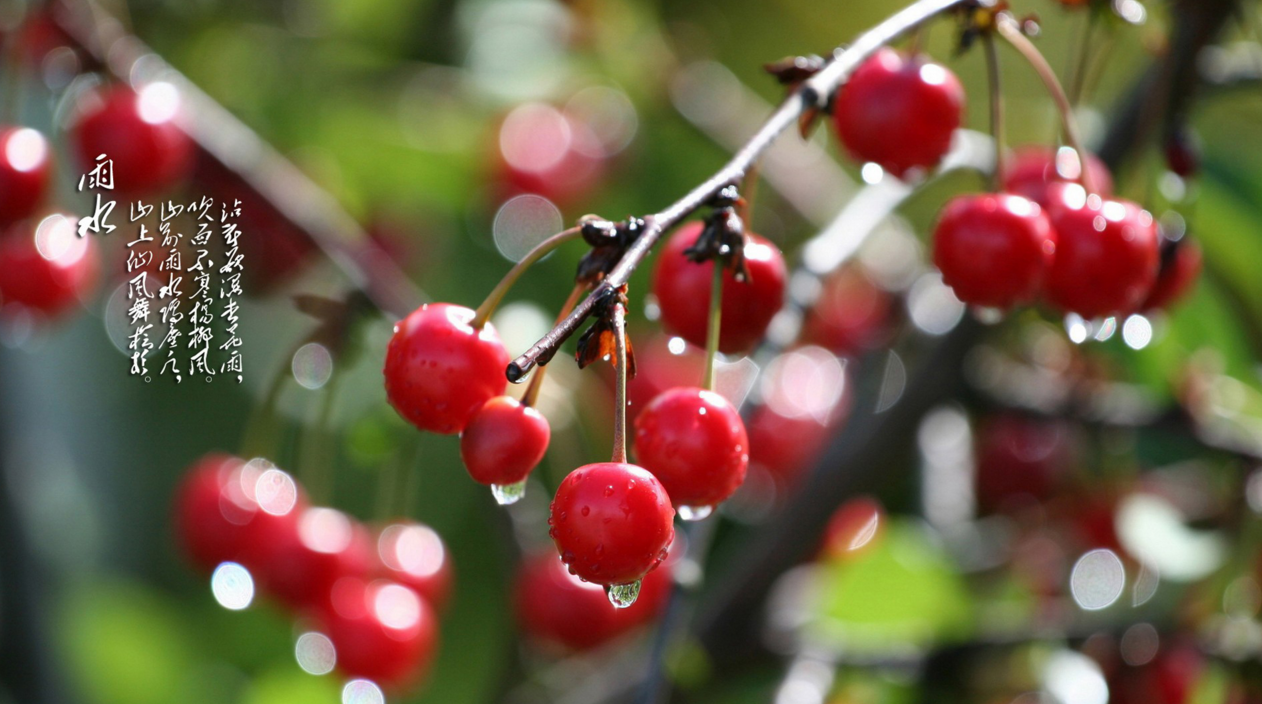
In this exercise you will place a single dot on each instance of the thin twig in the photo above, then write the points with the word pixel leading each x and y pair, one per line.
pixel 501 289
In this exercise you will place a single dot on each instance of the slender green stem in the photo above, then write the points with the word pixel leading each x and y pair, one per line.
pixel 388 481
pixel 1078 82
pixel 501 289
pixel 536 382
pixel 996 110
pixel 715 322
pixel 258 438
pixel 1011 31
pixel 620 395
pixel 315 451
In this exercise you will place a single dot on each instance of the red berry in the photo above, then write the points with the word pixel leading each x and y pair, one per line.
pixel 440 370
pixel 414 555
pixel 611 522
pixel 683 287
pixel 899 111
pixel 46 266
pixel 381 631
pixel 694 442
pixel 853 528
pixel 25 169
pixel 138 132
pixel 504 441
pixel 994 250
pixel 217 512
pixel 851 315
pixel 1107 254
pixel 556 607
pixel 300 566
pixel 548 153
pixel 1181 263
pixel 1020 459
pixel 1035 173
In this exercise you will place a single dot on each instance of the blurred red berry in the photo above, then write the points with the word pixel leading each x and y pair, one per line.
pixel 414 555
pixel 853 528
pixel 45 266
pixel 1181 263
pixel 1037 172
pixel 852 314
pixel 382 631
pixel 299 566
pixel 546 152
pixel 25 169
pixel 137 132
pixel 1020 459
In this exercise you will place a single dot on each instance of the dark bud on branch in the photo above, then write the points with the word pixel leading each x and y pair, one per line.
pixel 792 70
pixel 600 341
pixel 722 239
pixel 609 241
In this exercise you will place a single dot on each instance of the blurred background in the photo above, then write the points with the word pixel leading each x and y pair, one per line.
pixel 1028 509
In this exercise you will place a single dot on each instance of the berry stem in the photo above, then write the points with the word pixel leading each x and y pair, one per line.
pixel 620 396
pixel 258 438
pixel 1011 31
pixel 536 382
pixel 501 289
pixel 996 110
pixel 716 319
pixel 1082 62
pixel 315 455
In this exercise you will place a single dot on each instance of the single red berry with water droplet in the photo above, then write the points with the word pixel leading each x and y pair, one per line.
pixel 1038 173
pixel 25 170
pixel 694 442
pixel 439 369
pixel 1107 255
pixel 557 608
pixel 298 567
pixel 683 288
pixel 994 249
pixel 899 111
pixel 137 131
pixel 504 441
pixel 45 266
pixel 612 522
pixel 382 631
pixel 414 555
pixel 1181 263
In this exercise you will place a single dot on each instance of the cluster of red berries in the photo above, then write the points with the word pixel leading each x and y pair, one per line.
pixel 374 594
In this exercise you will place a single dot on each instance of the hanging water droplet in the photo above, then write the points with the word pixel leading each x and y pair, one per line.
pixel 695 513
pixel 506 494
pixel 987 315
pixel 623 595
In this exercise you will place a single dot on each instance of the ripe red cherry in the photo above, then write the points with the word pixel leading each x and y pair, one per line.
pixel 851 315
pixel 1038 172
pixel 414 555
pixel 381 631
pixel 440 370
pixel 1181 263
pixel 1020 459
pixel 694 442
pixel 45 266
pixel 138 132
pixel 217 512
pixel 557 608
pixel 994 250
pixel 25 168
pixel 899 111
pixel 548 153
pixel 504 441
pixel 1107 254
pixel 612 522
pixel 298 567
pixel 683 287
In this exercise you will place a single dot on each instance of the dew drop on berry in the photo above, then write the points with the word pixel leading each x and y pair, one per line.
pixel 695 513
pixel 506 494
pixel 623 595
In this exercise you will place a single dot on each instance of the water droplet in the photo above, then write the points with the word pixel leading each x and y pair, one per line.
pixel 695 513
pixel 623 595
pixel 506 494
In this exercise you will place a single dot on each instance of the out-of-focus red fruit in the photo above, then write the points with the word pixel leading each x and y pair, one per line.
pixel 414 555
pixel 382 631
pixel 1183 153
pixel 45 266
pixel 298 567
pixel 1181 263
pixel 854 527
pixel 852 314
pixel 1034 172
pixel 137 132
pixel 25 168
pixel 548 153
pixel 1019 460
pixel 555 607
pixel 683 288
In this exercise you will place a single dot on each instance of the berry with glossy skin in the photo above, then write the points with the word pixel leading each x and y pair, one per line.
pixel 138 132
pixel 25 168
pixel 557 608
pixel 851 315
pixel 994 249
pixel 612 522
pixel 439 370
pixel 1020 459
pixel 899 111
pixel 414 555
pixel 1181 263
pixel 1107 255
pixel 382 631
pixel 46 267
pixel 298 567
pixel 683 287
pixel 504 441
pixel 694 442
pixel 1038 173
